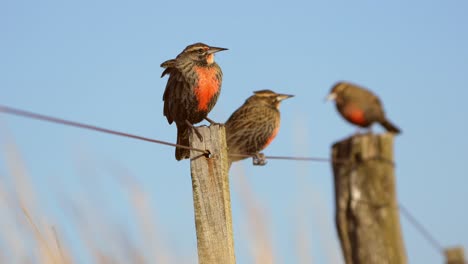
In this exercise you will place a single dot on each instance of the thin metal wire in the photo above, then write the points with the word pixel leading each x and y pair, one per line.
pixel 300 158
pixel 23 113
pixel 19 112
pixel 283 157
pixel 424 232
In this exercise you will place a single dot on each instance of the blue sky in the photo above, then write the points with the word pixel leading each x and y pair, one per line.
pixel 98 62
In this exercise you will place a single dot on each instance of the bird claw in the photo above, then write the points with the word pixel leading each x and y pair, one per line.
pixel 213 122
pixel 199 135
pixel 259 159
pixel 194 129
pixel 362 131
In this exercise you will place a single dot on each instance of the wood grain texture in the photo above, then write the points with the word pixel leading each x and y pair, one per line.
pixel 211 197
pixel 367 215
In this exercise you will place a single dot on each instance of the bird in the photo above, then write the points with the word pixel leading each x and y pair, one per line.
pixel 192 90
pixel 360 106
pixel 254 125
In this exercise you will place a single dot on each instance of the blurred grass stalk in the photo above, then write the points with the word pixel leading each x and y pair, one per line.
pixel 27 235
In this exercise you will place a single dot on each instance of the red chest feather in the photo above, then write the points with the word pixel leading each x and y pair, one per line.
pixel 270 139
pixel 207 86
pixel 356 116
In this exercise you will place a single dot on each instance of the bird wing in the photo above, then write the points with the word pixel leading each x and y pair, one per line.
pixel 173 96
pixel 249 129
pixel 374 111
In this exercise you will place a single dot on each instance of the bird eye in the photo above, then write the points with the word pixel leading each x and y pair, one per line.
pixel 200 51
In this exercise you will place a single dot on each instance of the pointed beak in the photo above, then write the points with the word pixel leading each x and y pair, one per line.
pixel 331 97
pixel 212 50
pixel 282 97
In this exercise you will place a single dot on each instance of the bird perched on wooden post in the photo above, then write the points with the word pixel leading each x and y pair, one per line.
pixel 191 91
pixel 254 125
pixel 360 106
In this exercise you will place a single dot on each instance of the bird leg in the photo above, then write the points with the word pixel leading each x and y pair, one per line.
pixel 194 129
pixel 213 122
pixel 363 131
pixel 259 159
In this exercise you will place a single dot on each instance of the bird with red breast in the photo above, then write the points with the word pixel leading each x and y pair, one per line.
pixel 192 90
pixel 360 106
pixel 254 125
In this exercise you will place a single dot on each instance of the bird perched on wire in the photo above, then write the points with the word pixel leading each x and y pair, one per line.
pixel 360 106
pixel 191 91
pixel 254 125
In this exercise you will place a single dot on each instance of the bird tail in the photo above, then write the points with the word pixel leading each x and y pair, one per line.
pixel 183 133
pixel 390 127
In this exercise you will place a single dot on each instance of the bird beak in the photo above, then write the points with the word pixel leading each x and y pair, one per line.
pixel 331 97
pixel 281 97
pixel 212 50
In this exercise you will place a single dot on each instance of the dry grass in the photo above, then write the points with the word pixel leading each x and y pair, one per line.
pixel 30 233
pixel 256 222
pixel 28 236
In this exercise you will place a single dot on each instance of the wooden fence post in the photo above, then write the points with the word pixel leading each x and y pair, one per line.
pixel 211 197
pixel 454 255
pixel 367 215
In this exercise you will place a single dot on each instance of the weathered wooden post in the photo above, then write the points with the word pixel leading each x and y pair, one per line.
pixel 211 197
pixel 455 255
pixel 367 215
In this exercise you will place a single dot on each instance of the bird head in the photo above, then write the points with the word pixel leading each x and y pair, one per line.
pixel 269 97
pixel 200 53
pixel 337 91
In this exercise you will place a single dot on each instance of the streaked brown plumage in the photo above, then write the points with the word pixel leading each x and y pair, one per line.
pixel 191 91
pixel 360 106
pixel 253 126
